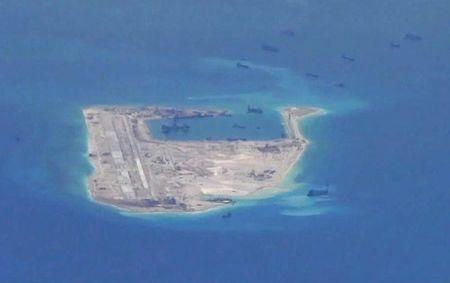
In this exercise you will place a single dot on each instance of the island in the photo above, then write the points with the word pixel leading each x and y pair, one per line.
pixel 135 172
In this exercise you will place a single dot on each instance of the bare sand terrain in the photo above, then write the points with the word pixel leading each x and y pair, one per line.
pixel 135 172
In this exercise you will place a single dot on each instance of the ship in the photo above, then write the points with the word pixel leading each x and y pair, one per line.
pixel 312 75
pixel 288 32
pixel 242 66
pixel 269 48
pixel 222 200
pixel 165 129
pixel 412 37
pixel 254 110
pixel 395 45
pixel 318 192
pixel 237 126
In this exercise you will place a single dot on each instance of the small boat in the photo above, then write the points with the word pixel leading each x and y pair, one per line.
pixel 226 215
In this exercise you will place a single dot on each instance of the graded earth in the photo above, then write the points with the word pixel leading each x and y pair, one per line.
pixel 135 172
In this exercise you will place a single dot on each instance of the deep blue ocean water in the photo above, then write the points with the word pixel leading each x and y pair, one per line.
pixel 383 146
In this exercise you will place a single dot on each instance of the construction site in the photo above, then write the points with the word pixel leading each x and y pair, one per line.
pixel 135 172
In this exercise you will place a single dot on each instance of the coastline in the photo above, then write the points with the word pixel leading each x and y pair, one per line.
pixel 292 128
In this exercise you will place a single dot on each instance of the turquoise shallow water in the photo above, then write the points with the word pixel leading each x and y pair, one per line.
pixel 382 146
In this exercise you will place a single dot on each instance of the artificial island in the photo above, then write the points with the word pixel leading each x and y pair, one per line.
pixel 136 172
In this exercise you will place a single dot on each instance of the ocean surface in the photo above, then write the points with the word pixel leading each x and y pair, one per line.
pixel 383 145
